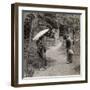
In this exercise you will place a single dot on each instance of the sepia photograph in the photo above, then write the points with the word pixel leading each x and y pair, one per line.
pixel 49 44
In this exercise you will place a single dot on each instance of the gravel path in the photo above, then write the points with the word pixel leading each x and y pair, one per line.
pixel 57 66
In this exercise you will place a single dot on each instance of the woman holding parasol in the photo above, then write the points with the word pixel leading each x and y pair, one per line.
pixel 41 49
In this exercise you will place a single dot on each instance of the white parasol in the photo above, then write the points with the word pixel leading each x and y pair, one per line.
pixel 41 33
